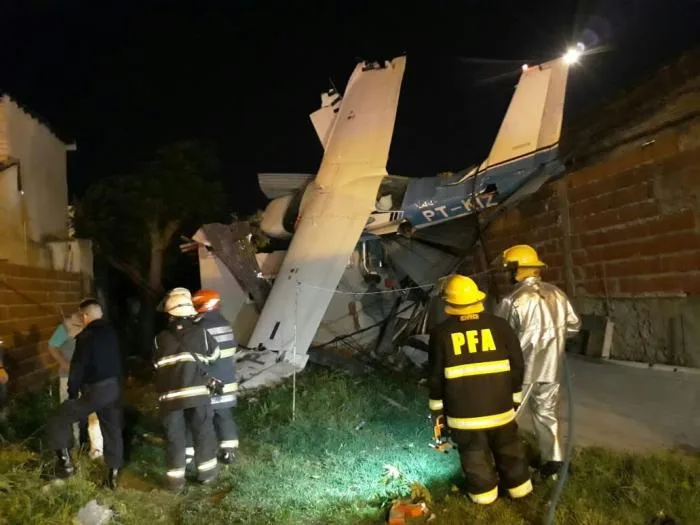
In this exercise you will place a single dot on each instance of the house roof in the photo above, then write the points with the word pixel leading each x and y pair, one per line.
pixel 5 97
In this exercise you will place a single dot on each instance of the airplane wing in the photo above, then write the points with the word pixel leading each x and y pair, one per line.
pixel 324 118
pixel 275 185
pixel 342 196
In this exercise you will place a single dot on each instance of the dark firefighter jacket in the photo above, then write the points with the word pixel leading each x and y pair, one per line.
pixel 224 368
pixel 181 377
pixel 475 371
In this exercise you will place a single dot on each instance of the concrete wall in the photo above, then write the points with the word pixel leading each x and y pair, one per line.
pixel 622 236
pixel 30 301
pixel 40 212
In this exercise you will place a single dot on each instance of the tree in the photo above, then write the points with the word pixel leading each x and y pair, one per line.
pixel 133 218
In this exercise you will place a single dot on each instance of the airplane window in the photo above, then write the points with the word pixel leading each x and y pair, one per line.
pixel 391 193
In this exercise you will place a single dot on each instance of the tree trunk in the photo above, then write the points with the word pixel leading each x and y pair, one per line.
pixel 150 298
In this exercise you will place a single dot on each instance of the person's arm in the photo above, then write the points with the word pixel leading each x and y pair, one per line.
pixel 58 338
pixel 573 321
pixel 435 376
pixel 517 363
pixel 81 356
pixel 211 348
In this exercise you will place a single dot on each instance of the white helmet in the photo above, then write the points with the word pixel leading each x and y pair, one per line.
pixel 175 292
pixel 179 305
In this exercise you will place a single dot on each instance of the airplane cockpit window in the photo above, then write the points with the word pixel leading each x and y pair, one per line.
pixel 449 178
pixel 391 193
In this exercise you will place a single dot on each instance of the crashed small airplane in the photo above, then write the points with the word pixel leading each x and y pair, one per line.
pixel 336 220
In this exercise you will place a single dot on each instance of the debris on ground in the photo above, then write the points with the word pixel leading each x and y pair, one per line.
pixel 94 514
pixel 402 511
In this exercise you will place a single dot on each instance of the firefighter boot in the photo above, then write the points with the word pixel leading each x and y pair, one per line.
pixel 227 456
pixel 65 464
pixel 553 469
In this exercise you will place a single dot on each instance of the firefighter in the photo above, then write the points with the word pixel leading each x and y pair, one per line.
pixel 94 385
pixel 543 318
pixel 182 355
pixel 207 304
pixel 475 375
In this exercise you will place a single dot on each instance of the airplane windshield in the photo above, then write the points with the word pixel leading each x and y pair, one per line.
pixel 391 193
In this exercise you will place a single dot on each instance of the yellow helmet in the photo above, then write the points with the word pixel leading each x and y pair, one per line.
pixel 523 255
pixel 459 293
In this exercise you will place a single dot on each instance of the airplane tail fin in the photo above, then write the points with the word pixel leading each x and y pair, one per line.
pixel 534 117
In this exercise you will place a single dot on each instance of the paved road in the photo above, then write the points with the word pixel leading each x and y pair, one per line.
pixel 635 409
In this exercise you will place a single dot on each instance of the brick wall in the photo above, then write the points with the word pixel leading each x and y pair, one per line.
pixel 30 299
pixel 621 231
pixel 633 224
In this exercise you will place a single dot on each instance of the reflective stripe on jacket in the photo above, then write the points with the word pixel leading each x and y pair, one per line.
pixel 183 353
pixel 475 371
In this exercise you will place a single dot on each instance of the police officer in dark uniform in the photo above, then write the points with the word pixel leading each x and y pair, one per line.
pixel 207 304
pixel 96 374
pixel 182 357
pixel 475 377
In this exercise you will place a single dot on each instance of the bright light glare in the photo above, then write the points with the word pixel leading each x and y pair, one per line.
pixel 525 66
pixel 573 54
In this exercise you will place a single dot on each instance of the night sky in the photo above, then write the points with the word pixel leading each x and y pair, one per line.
pixel 125 77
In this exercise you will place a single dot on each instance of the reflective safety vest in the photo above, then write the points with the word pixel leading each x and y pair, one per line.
pixel 475 371
pixel 182 356
pixel 224 369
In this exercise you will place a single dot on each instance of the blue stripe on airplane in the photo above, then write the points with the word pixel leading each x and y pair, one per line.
pixel 430 200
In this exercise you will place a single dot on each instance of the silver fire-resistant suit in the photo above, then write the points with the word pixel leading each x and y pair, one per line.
pixel 543 318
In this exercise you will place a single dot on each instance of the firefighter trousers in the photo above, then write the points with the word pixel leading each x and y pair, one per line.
pixel 197 421
pixel 104 399
pixel 225 429
pixel 480 449
pixel 544 400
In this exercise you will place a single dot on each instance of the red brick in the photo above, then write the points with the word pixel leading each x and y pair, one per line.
pixel 34 297
pixel 10 296
pixel 675 242
pixel 680 161
pixel 680 283
pixel 21 284
pixel 681 262
pixel 636 267
pixel 26 311
pixel 609 218
pixel 551 274
pixel 612 200
pixel 27 326
pixel 666 244
pixel 33 272
pixel 635 160
pixel 615 182
pixel 590 287
pixel 684 220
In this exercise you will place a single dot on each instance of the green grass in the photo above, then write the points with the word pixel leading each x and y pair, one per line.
pixel 322 469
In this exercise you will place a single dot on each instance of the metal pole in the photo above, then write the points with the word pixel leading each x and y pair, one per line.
pixel 294 359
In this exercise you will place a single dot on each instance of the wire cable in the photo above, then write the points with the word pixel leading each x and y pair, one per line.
pixel 559 487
